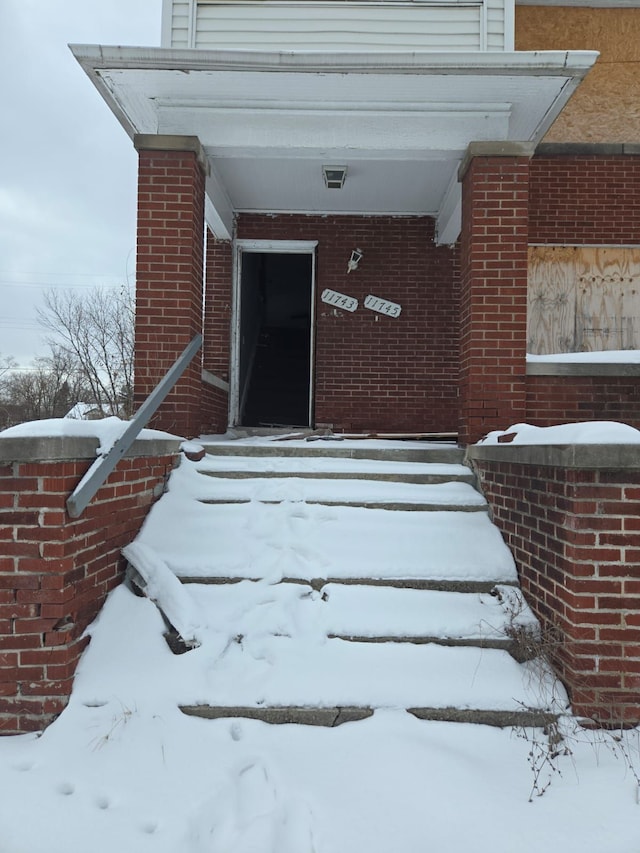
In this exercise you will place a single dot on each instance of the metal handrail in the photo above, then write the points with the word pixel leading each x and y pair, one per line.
pixel 104 465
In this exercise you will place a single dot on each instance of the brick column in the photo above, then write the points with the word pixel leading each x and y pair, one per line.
pixel 55 572
pixel 217 325
pixel 493 267
pixel 571 517
pixel 169 274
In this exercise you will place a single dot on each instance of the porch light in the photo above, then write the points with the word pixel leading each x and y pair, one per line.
pixel 334 176
pixel 354 260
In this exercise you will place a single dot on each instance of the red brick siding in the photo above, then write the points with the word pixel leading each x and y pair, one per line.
pixel 566 399
pixel 493 317
pixel 55 573
pixel 373 372
pixel 169 283
pixel 217 326
pixel 583 200
pixel 575 537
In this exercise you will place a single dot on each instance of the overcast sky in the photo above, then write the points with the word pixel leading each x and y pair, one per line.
pixel 67 169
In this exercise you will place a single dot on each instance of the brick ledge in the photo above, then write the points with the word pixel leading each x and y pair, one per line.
pixel 586 456
pixel 67 448
pixel 579 368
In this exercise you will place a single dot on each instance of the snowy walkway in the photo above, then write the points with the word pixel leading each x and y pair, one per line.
pixel 365 619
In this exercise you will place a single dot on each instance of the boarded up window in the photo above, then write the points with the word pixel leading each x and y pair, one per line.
pixel 583 299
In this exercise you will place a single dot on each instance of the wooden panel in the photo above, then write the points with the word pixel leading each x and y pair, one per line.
pixel 341 26
pixel 606 106
pixel 583 299
pixel 551 301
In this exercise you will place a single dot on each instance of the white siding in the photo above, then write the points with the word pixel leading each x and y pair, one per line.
pixel 180 24
pixel 387 25
pixel 495 25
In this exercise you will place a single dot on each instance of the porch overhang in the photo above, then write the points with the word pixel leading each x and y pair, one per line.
pixel 400 123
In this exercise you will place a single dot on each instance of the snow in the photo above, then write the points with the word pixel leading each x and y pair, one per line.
pixel 327 465
pixel 624 356
pixel 321 444
pixel 591 432
pixel 124 769
pixel 293 539
pixel 164 588
pixel 87 411
pixel 106 430
pixel 298 489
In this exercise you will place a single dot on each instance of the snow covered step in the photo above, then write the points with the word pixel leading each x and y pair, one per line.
pixel 400 451
pixel 337 492
pixel 321 467
pixel 387 613
pixel 305 542
pixel 374 613
pixel 260 671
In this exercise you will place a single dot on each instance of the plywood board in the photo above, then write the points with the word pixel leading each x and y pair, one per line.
pixel 606 106
pixel 583 299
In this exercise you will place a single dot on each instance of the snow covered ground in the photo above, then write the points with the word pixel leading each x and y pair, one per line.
pixel 123 769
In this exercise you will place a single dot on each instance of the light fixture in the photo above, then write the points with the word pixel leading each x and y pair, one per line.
pixel 334 176
pixel 354 260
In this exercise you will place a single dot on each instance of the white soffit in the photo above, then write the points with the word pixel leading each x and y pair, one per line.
pixel 268 121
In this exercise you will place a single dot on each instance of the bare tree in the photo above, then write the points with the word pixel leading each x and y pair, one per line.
pixel 7 363
pixel 46 390
pixel 95 329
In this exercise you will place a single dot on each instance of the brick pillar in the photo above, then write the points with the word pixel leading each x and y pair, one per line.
pixel 217 324
pixel 494 262
pixel 571 516
pixel 169 274
pixel 55 571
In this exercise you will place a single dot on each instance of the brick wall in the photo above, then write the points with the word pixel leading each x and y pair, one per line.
pixel 374 372
pixel 585 200
pixel 493 315
pixel 169 276
pixel 566 399
pixel 218 300
pixel 571 516
pixel 588 199
pixel 55 572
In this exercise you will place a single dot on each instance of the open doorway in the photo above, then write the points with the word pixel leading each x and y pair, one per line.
pixel 274 345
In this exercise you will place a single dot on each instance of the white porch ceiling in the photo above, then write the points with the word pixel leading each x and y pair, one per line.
pixel 401 123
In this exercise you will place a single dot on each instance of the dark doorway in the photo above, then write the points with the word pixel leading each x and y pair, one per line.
pixel 275 339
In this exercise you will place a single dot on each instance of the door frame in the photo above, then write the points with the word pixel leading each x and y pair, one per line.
pixel 276 247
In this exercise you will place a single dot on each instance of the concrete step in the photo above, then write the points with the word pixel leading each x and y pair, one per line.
pixel 362 504
pixel 433 477
pixel 307 541
pixel 263 672
pixel 373 614
pixel 355 492
pixel 429 585
pixel 396 451
pixel 316 467
pixel 336 716
pixel 342 578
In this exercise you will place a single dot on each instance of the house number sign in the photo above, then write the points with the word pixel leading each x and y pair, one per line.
pixel 383 306
pixel 339 300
